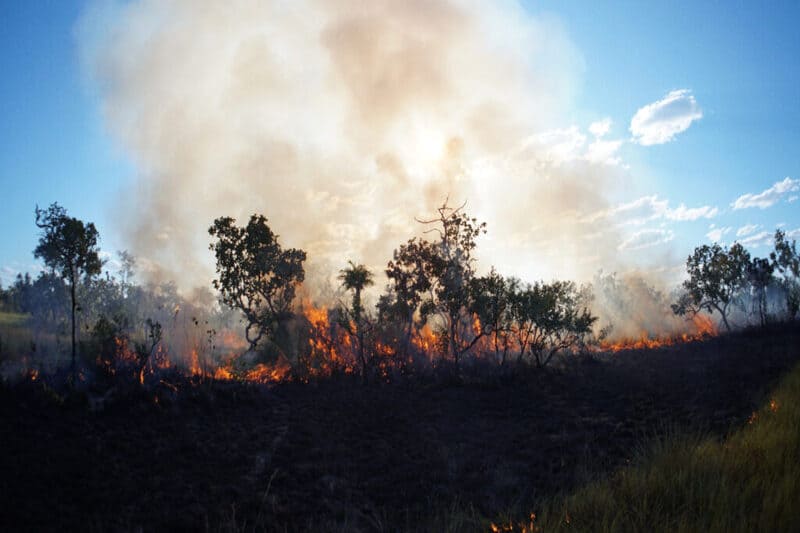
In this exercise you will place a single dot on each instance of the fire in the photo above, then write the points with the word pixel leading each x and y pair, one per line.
pixel 329 344
pixel 702 326
pixel 194 364
pixel 523 527
pixel 425 340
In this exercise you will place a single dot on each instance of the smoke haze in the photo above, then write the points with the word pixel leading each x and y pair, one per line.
pixel 341 121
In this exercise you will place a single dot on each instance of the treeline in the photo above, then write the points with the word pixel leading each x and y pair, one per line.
pixel 435 303
pixel 723 280
pixel 435 310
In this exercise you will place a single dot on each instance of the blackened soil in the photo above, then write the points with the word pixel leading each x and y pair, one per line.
pixel 351 457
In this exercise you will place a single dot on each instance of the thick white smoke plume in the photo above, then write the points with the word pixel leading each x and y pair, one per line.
pixel 342 120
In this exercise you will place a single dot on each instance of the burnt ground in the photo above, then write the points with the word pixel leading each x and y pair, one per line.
pixel 337 455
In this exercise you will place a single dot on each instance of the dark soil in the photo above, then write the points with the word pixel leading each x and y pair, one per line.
pixel 338 455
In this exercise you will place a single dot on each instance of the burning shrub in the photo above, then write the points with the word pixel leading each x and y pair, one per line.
pixel 256 275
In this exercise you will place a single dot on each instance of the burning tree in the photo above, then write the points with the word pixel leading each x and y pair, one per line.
pixel 716 277
pixel 434 277
pixel 256 275
pixel 67 246
pixel 491 303
pixel 786 261
pixel 355 278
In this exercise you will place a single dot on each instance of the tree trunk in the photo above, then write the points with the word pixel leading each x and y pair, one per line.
pixel 72 295
pixel 453 345
pixel 724 320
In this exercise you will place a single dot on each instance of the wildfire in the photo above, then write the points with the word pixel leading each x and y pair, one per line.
pixel 702 325
pixel 523 527
pixel 329 344
pixel 425 340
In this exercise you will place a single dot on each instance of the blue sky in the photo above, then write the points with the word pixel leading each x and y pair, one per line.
pixel 737 61
pixel 54 147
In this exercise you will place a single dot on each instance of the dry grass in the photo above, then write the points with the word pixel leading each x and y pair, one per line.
pixel 748 482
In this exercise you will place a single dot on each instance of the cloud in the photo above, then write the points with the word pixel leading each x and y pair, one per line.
pixel 567 145
pixel 747 229
pixel 762 238
pixel 646 238
pixel 715 234
pixel 600 128
pixel 683 213
pixel 603 152
pixel 661 121
pixel 768 197
pixel 650 208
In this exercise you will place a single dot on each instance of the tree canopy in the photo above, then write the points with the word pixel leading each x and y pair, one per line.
pixel 256 275
pixel 68 247
pixel 716 275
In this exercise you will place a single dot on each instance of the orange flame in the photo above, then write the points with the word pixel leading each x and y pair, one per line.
pixel 702 326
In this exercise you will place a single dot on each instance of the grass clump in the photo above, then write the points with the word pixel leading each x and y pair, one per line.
pixel 749 482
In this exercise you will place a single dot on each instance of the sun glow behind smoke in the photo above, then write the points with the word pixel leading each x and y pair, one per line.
pixel 342 121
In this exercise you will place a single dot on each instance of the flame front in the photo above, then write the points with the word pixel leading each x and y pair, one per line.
pixel 702 327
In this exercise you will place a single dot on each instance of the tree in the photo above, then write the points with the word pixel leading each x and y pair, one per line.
pixel 410 274
pixel 355 278
pixel 433 277
pixel 786 261
pixel 760 276
pixel 256 275
pixel 490 302
pixel 68 247
pixel 716 277
pixel 549 318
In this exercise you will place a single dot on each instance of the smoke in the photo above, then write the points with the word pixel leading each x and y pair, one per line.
pixel 341 121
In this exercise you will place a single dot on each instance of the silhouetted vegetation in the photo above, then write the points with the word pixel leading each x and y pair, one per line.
pixel 722 279
pixel 256 275
pixel 716 276
pixel 355 278
pixel 68 247
pixel 786 261
pixel 504 390
pixel 436 311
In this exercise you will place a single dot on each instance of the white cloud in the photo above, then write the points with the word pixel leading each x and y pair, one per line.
pixel 683 213
pixel 556 147
pixel 566 145
pixel 747 229
pixel 649 208
pixel 715 234
pixel 600 128
pixel 759 239
pixel 646 238
pixel 768 197
pixel 659 122
pixel 603 152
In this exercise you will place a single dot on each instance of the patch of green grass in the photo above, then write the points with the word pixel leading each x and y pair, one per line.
pixel 15 334
pixel 12 320
pixel 749 482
